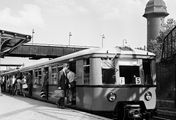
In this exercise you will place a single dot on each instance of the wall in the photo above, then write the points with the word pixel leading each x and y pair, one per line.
pixel 166 85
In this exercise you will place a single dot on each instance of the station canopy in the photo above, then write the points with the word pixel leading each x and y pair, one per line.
pixel 11 40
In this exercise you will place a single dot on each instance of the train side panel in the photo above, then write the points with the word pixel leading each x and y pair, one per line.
pixel 100 101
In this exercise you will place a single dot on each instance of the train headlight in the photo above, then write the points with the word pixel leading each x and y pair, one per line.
pixel 111 97
pixel 148 96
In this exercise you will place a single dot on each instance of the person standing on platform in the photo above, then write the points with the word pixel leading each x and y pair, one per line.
pixel 19 84
pixel 72 86
pixel 12 87
pixel 44 90
pixel 63 84
pixel 24 85
pixel 1 82
pixel 9 83
pixel 29 83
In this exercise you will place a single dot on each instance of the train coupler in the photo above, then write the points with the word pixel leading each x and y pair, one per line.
pixel 133 111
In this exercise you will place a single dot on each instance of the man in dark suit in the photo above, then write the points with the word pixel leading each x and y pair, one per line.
pixel 44 90
pixel 63 84
pixel 29 83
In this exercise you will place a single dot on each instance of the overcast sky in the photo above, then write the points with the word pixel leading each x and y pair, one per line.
pixel 87 20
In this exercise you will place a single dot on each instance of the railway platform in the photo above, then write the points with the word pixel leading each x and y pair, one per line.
pixel 23 108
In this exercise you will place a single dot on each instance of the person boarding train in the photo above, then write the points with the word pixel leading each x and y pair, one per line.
pixel 63 84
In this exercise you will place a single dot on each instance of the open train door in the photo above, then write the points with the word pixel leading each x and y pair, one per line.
pixel 45 85
pixel 29 80
pixel 71 75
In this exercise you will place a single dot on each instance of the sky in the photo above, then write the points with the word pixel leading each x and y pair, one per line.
pixel 87 20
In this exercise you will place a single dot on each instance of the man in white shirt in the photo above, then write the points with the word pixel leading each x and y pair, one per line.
pixel 72 86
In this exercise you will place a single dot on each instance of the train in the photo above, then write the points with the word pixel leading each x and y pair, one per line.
pixel 119 80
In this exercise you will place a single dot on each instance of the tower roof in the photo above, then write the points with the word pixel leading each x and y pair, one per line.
pixel 155 7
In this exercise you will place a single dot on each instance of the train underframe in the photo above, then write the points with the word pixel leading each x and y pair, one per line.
pixel 132 110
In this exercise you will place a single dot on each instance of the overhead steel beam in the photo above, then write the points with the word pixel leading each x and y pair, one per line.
pixel 37 51
pixel 11 40
pixel 14 44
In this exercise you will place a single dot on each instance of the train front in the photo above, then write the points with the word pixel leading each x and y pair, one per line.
pixel 128 85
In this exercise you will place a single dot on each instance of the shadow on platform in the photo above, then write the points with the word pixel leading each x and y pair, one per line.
pixel 23 108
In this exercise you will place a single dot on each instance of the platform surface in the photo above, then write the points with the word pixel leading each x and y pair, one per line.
pixel 22 108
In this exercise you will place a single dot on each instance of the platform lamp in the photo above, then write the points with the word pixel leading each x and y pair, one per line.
pixel 70 34
pixel 102 38
pixel 33 35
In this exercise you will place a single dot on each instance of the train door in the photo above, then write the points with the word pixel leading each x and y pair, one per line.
pixel 37 83
pixel 45 84
pixel 29 81
pixel 71 75
pixel 53 81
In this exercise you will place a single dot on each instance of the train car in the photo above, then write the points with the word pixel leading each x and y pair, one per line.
pixel 119 80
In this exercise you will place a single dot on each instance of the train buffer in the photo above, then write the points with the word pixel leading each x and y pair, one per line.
pixel 23 108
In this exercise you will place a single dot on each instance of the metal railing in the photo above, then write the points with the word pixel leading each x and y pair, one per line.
pixel 169 45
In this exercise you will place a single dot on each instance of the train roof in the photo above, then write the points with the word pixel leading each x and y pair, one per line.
pixel 113 51
pixel 10 71
pixel 91 51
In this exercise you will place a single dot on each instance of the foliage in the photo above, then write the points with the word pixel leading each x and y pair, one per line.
pixel 155 46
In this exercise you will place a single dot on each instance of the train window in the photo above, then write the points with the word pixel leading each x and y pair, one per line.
pixel 147 71
pixel 108 71
pixel 59 68
pixel 36 73
pixel 72 66
pixel 35 77
pixel 53 75
pixel 86 67
pixel 38 76
pixel 130 74
pixel 108 76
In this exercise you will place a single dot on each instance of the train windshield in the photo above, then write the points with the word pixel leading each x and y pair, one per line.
pixel 129 75
pixel 128 71
pixel 142 73
pixel 108 71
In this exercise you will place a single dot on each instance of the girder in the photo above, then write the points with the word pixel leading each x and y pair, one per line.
pixel 11 40
pixel 37 51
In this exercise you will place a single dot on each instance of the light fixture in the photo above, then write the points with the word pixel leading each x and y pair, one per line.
pixel 111 97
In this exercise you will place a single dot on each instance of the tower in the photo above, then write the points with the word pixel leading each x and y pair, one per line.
pixel 155 12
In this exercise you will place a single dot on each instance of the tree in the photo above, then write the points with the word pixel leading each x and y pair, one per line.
pixel 155 46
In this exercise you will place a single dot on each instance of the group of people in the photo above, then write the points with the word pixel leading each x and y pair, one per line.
pixel 66 82
pixel 18 84
pixel 15 84
pixel 66 85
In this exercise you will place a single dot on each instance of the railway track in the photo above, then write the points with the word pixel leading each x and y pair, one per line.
pixel 160 118
pixel 165 114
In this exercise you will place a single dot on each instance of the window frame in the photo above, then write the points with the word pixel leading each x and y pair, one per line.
pixel 86 66
pixel 38 76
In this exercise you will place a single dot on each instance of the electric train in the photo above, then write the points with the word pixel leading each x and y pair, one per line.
pixel 119 80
